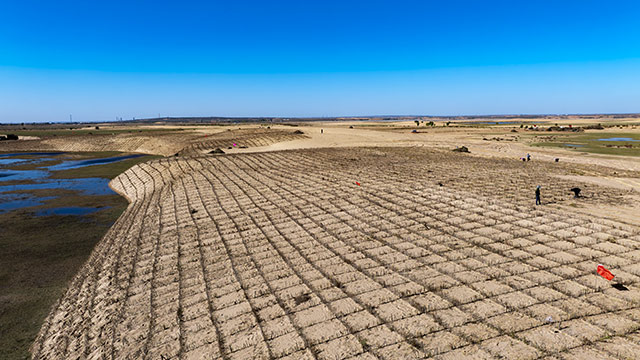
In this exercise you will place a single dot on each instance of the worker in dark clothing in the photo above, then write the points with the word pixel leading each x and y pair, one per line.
pixel 528 157
pixel 576 192
pixel 538 202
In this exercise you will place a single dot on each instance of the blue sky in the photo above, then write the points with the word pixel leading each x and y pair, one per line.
pixel 102 60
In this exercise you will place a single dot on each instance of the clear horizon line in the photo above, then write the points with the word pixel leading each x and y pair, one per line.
pixel 322 117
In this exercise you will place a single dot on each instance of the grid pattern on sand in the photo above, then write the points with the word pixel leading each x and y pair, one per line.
pixel 280 255
pixel 164 144
pixel 250 138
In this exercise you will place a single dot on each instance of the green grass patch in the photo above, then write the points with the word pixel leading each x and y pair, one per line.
pixel 588 142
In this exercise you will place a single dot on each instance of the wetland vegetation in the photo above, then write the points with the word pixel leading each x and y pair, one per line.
pixel 607 143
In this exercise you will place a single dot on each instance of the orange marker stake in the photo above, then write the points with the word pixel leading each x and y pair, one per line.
pixel 605 273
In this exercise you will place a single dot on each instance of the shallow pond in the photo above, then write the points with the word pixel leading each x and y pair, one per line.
pixel 30 154
pixel 86 186
pixel 10 202
pixel 16 184
pixel 72 210
pixel 66 165
pixel 618 139
pixel 25 158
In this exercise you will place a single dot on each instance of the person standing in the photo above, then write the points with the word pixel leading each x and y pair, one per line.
pixel 538 202
pixel 528 157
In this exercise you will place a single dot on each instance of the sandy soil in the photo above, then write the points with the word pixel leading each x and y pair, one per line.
pixel 272 254
pixel 340 135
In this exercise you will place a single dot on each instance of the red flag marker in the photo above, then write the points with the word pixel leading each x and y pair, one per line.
pixel 604 272
pixel 357 183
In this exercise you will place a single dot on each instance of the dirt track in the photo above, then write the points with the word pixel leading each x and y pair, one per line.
pixel 282 255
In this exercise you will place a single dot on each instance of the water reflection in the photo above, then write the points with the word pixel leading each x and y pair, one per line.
pixel 86 186
pixel 10 202
pixel 19 158
pixel 30 154
pixel 72 210
pixel 15 183
pixel 82 163
pixel 617 139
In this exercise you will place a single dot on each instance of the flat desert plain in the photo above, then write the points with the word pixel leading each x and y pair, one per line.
pixel 366 242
